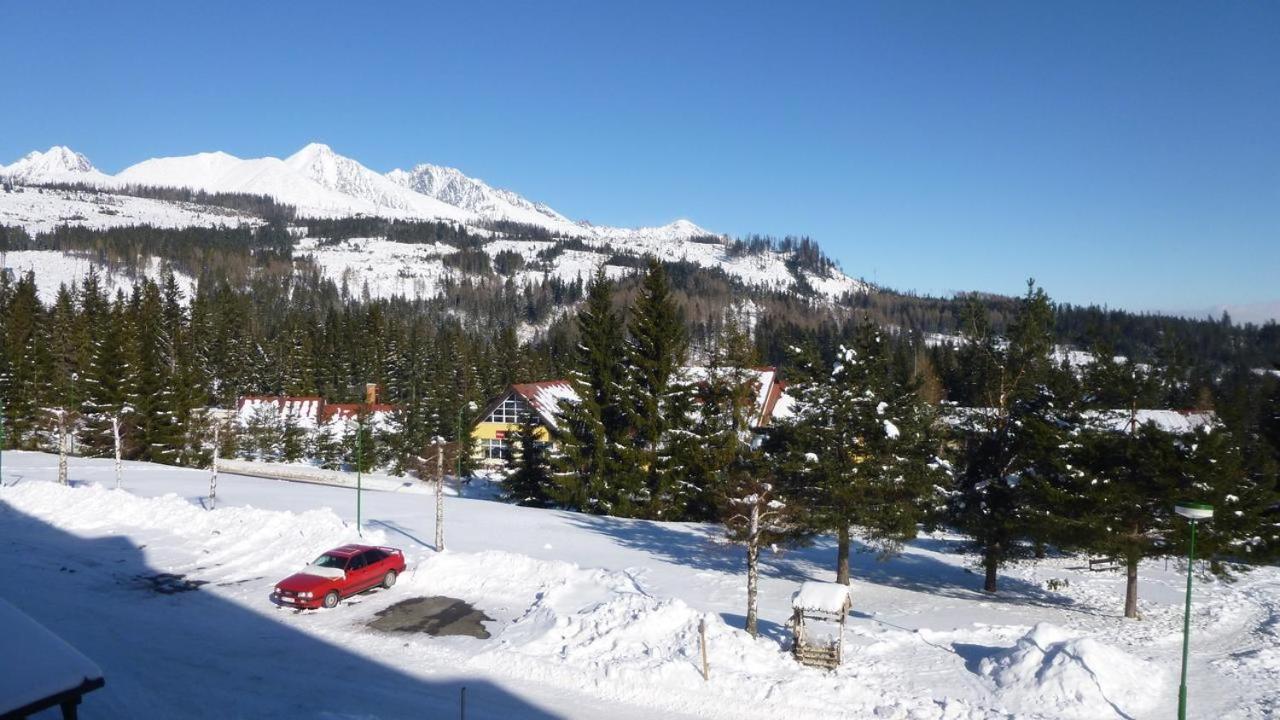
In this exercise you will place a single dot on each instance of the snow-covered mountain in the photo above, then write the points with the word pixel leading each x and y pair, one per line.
pixel 315 179
pixel 58 164
pixel 451 186
pixel 321 183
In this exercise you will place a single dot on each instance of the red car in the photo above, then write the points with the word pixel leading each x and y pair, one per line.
pixel 340 573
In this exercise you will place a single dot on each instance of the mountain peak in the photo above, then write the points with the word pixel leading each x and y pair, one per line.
pixel 57 164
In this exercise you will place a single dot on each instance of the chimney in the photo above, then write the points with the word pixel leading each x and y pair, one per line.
pixel 370 393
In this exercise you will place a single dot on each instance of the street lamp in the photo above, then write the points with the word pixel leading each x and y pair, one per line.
pixel 1194 512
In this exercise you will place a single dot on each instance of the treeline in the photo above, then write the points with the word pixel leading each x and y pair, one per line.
pixel 261 206
pixel 1040 455
pixel 153 359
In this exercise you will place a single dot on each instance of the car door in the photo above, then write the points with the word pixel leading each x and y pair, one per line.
pixel 374 566
pixel 357 574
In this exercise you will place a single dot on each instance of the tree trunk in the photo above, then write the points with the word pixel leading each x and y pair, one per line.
pixel 842 554
pixel 1131 588
pixel 753 577
pixel 990 561
pixel 439 498
pixel 1040 550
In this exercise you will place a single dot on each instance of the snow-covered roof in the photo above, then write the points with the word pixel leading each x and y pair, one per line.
pixel 545 397
pixel 305 411
pixel 822 597
pixel 1179 422
pixel 44 665
pixel 769 395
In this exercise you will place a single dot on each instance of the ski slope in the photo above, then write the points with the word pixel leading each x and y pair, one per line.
pixel 592 617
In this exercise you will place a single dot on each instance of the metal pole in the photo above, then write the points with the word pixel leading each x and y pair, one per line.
pixel 359 480
pixel 1186 629
pixel 463 704
pixel 457 459
pixel 1 441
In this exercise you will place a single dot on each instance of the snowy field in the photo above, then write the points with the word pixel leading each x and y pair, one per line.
pixel 593 617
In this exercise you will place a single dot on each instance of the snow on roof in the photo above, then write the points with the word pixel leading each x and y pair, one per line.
pixel 823 597
pixel 546 396
pixel 1180 422
pixel 45 664
pixel 769 395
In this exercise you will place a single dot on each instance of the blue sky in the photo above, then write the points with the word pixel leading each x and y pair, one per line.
pixel 1121 153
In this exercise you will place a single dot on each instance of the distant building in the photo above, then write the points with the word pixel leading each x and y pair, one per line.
pixel 312 412
pixel 499 423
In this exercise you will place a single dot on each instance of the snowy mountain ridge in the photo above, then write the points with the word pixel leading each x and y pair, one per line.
pixel 57 164
pixel 322 183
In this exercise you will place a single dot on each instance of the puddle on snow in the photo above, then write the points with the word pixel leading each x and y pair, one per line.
pixel 436 615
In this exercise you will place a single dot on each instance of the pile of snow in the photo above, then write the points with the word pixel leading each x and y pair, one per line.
pixel 236 542
pixel 823 597
pixel 1053 673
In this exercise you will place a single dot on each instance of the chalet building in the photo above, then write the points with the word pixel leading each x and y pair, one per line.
pixel 499 423
pixel 311 412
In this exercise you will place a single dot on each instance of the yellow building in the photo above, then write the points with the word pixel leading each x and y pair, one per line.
pixel 499 424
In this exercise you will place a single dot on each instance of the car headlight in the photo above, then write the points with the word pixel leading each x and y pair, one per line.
pixel 279 591
pixel 307 595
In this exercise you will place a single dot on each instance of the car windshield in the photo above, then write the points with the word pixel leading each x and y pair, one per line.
pixel 331 561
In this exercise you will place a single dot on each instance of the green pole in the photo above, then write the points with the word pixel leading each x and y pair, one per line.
pixel 1 441
pixel 457 455
pixel 1186 629
pixel 359 462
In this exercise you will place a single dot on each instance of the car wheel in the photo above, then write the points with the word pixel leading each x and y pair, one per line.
pixel 331 599
pixel 389 579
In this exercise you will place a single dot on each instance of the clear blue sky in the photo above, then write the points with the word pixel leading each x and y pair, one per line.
pixel 1121 153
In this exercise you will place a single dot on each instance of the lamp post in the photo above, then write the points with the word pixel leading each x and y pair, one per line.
pixel 1194 512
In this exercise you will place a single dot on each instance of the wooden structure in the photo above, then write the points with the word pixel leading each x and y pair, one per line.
pixel 819 602
pixel 41 671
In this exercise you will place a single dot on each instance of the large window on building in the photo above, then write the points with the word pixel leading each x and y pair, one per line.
pixel 509 411
pixel 496 449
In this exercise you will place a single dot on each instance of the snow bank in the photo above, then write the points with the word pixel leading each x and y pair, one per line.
pixel 1052 673
pixel 235 542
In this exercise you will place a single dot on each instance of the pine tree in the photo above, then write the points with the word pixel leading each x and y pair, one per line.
pixel 722 429
pixel 1011 440
pixel 859 449
pixel 658 400
pixel 593 432
pixel 529 483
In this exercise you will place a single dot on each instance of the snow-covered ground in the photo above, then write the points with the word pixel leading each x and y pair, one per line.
pixel 42 209
pixel 54 269
pixel 593 617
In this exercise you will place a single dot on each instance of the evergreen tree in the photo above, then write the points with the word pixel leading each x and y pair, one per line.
pixel 593 432
pixel 531 480
pixel 1011 440
pixel 859 449
pixel 658 400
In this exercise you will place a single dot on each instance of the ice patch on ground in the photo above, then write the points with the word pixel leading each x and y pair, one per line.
pixel 1051 672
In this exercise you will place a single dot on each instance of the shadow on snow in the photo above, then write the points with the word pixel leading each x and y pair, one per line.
pixel 154 648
